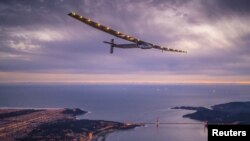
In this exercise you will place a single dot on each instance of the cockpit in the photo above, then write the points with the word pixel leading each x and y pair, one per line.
pixel 144 45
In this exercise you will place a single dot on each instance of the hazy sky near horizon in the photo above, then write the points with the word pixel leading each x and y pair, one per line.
pixel 39 42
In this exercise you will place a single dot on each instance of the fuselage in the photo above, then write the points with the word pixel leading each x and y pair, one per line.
pixel 142 45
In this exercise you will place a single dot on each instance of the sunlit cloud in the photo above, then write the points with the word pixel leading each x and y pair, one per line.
pixel 13 77
pixel 46 35
pixel 43 39
pixel 23 46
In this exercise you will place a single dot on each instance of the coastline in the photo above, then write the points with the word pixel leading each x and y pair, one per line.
pixel 54 123
pixel 228 113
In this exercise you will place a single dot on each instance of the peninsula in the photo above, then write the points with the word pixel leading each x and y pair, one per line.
pixel 229 113
pixel 53 124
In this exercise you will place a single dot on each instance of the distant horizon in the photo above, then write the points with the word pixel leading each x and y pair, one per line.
pixel 125 83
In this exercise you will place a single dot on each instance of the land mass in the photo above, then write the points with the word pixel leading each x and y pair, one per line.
pixel 53 124
pixel 228 113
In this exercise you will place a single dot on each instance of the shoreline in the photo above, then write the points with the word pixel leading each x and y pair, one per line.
pixel 227 113
pixel 54 123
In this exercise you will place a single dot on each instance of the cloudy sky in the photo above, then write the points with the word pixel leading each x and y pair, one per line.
pixel 39 42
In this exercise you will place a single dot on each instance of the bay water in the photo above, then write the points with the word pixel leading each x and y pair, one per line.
pixel 129 103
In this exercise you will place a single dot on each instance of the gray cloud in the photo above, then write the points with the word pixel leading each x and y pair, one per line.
pixel 239 6
pixel 38 36
pixel 216 9
pixel 26 12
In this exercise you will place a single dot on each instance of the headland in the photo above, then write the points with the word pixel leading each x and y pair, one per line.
pixel 54 124
pixel 228 113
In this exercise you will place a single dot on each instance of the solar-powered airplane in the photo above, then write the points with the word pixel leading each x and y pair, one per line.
pixel 136 43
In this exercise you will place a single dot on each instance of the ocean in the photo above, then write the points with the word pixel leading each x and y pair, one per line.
pixel 129 103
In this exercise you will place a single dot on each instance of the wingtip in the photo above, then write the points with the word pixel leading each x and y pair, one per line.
pixel 182 51
pixel 72 13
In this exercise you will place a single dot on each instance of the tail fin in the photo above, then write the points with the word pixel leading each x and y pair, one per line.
pixel 112 45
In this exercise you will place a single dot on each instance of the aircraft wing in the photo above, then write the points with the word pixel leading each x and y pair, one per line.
pixel 168 49
pixel 117 33
pixel 103 28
